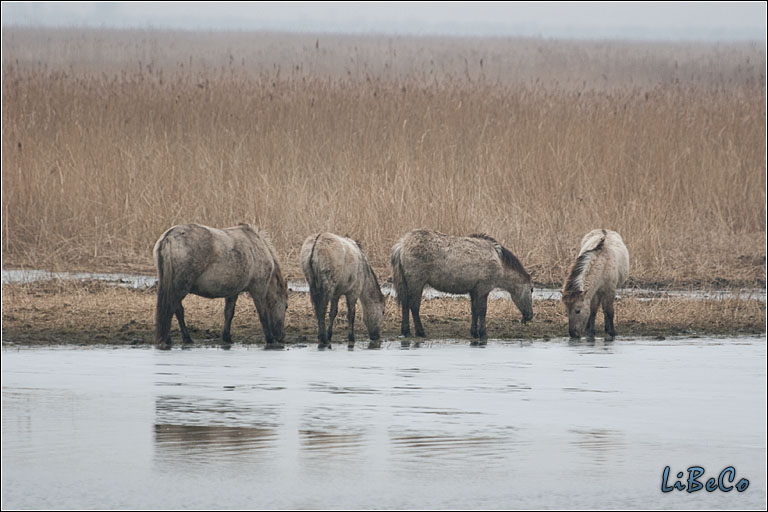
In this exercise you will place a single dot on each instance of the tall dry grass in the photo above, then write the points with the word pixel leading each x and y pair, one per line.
pixel 110 137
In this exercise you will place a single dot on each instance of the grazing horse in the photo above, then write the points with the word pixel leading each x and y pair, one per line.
pixel 336 266
pixel 215 263
pixel 475 264
pixel 602 266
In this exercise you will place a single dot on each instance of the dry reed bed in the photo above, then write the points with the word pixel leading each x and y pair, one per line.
pixel 88 313
pixel 110 137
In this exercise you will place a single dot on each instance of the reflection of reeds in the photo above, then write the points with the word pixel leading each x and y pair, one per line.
pixel 111 137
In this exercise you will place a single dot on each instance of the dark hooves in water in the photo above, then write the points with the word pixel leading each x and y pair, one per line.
pixel 163 346
pixel 374 345
pixel 478 343
pixel 323 346
pixel 274 346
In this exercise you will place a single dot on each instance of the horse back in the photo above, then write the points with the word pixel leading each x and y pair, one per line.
pixel 332 262
pixel 615 254
pixel 214 262
pixel 449 263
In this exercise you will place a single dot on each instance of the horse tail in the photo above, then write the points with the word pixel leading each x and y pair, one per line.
pixel 313 275
pixel 398 275
pixel 166 305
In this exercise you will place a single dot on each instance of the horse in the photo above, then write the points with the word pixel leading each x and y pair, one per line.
pixel 601 267
pixel 475 264
pixel 215 263
pixel 336 266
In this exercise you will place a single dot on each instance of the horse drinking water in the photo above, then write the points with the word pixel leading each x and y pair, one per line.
pixel 475 264
pixel 215 263
pixel 602 266
pixel 336 266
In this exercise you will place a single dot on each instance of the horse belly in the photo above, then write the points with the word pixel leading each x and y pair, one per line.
pixel 216 282
pixel 451 282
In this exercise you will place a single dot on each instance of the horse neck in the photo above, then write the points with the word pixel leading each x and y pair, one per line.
pixel 512 279
pixel 590 275
pixel 277 288
pixel 371 292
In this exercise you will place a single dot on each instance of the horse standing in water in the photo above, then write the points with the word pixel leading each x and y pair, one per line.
pixel 215 263
pixel 602 266
pixel 336 266
pixel 475 264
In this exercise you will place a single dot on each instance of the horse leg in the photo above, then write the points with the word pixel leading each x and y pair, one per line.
pixel 610 330
pixel 229 313
pixel 473 301
pixel 168 305
pixel 482 308
pixel 332 317
pixel 185 337
pixel 414 300
pixel 351 305
pixel 320 304
pixel 593 307
pixel 405 324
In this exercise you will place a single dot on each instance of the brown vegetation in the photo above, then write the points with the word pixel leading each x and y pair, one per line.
pixel 110 137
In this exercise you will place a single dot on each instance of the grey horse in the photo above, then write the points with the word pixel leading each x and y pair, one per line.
pixel 475 264
pixel 334 266
pixel 602 266
pixel 216 263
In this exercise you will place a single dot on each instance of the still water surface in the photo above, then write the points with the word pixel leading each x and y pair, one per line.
pixel 514 425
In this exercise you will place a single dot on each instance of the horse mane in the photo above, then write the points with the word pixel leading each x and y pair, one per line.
pixel 368 267
pixel 281 282
pixel 508 259
pixel 574 285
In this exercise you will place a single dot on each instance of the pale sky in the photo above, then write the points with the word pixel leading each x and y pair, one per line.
pixel 637 20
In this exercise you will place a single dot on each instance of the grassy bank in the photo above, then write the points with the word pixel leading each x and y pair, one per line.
pixel 110 137
pixel 93 313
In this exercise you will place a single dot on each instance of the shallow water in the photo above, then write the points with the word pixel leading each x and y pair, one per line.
pixel 514 425
pixel 144 281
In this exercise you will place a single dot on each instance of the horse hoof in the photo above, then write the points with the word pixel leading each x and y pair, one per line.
pixel 350 346
pixel 274 346
pixel 323 346
pixel 373 345
pixel 405 344
pixel 163 346
pixel 226 346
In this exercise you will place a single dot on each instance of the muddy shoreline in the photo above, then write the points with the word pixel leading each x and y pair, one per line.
pixel 95 313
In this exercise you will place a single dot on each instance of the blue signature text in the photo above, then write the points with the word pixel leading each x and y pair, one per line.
pixel 724 481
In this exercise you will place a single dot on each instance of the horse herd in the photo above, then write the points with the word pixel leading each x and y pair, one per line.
pixel 216 263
